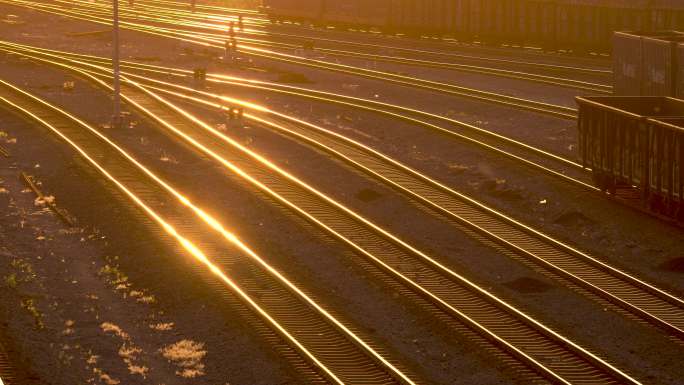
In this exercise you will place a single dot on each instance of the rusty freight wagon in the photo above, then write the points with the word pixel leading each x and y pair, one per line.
pixel 636 143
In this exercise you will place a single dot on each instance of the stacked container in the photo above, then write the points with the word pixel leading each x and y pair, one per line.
pixel 647 64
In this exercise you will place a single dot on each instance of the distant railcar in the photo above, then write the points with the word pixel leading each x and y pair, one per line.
pixel 580 25
pixel 647 64
pixel 358 13
pixel 293 10
pixel 636 142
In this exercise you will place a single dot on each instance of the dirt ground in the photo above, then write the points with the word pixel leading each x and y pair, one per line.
pixel 80 307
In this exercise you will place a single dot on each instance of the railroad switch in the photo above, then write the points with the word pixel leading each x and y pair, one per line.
pixel 199 75
pixel 231 45
pixel 232 113
pixel 308 45
pixel 231 30
pixel 231 51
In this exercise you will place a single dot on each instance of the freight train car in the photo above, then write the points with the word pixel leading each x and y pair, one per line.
pixel 357 13
pixel 293 10
pixel 647 64
pixel 579 25
pixel 636 143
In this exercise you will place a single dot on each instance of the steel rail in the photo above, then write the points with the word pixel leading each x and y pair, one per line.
pixel 562 167
pixel 7 370
pixel 542 349
pixel 155 15
pixel 620 288
pixel 562 260
pixel 298 318
pixel 483 96
pixel 545 79
pixel 385 255
pixel 548 66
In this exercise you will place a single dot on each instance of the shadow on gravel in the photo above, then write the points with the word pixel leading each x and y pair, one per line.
pixel 291 77
pixel 500 189
pixel 573 219
pixel 368 195
pixel 675 265
pixel 527 285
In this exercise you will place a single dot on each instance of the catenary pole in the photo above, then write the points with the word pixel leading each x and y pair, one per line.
pixel 116 119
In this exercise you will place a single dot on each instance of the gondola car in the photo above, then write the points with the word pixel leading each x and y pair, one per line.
pixel 636 142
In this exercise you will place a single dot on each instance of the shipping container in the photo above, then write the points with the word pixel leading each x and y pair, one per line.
pixel 627 64
pixel 659 58
pixel 646 64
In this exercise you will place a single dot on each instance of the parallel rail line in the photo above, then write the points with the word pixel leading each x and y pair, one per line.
pixel 164 16
pixel 543 350
pixel 618 287
pixel 252 50
pixel 539 159
pixel 160 5
pixel 426 276
pixel 528 155
pixel 301 322
pixel 7 370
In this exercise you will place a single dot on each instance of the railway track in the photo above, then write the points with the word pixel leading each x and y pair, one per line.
pixel 521 241
pixel 523 338
pixel 557 166
pixel 539 159
pixel 528 340
pixel 561 260
pixel 290 41
pixel 565 170
pixel 254 51
pixel 444 49
pixel 7 372
pixel 374 52
pixel 536 351
pixel 301 322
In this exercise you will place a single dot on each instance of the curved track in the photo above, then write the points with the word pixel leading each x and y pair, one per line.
pixel 538 347
pixel 562 260
pixel 307 328
pixel 253 25
pixel 7 374
pixel 524 338
pixel 217 29
pixel 536 158
pixel 255 51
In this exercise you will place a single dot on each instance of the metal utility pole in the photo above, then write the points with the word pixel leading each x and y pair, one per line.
pixel 116 119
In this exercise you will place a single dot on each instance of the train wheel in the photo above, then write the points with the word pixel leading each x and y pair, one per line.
pixel 679 212
pixel 603 181
pixel 655 204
